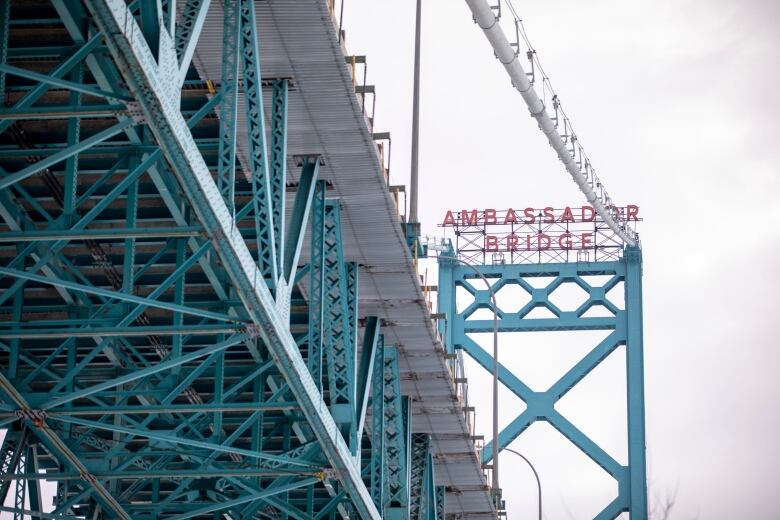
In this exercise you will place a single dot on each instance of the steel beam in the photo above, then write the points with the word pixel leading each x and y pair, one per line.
pixel 53 159
pixel 157 96
pixel 317 285
pixel 147 302
pixel 624 327
pixel 260 175
pixel 62 112
pixel 190 330
pixel 168 408
pixel 339 324
pixel 5 29
pixel 278 166
pixel 62 83
pixel 296 229
pixel 182 473
pixel 188 30
pixel 61 399
pixel 395 442
pixel 441 504
pixel 58 448
pixel 96 234
pixel 248 498
pixel 151 19
pixel 377 461
pixel 78 55
pixel 635 383
pixel 228 112
pixel 366 370
pixel 183 441
pixel 419 471
pixel 14 444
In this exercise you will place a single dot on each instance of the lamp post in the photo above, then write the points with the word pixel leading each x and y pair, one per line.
pixel 413 180
pixel 538 482
pixel 495 369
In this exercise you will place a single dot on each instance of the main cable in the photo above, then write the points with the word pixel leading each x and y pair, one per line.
pixel 563 140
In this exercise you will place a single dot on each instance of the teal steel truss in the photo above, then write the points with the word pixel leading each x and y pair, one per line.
pixel 165 349
pixel 624 326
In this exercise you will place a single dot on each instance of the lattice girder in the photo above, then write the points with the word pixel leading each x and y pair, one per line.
pixel 156 373
pixel 396 440
pixel 625 329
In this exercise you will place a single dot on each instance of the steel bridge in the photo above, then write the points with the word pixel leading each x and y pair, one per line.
pixel 209 302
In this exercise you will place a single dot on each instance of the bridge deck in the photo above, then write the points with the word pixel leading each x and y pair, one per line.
pixel 298 40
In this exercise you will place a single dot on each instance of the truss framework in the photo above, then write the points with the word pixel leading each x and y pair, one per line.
pixel 624 324
pixel 159 359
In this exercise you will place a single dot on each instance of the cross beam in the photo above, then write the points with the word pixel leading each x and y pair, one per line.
pixel 155 88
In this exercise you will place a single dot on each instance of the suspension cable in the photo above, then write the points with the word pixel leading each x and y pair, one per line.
pixel 558 128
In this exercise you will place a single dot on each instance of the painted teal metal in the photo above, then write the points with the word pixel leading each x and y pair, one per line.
pixel 624 324
pixel 377 460
pixel 317 289
pixel 166 355
pixel 228 111
pixel 424 495
pixel 441 504
pixel 278 162
pixel 395 442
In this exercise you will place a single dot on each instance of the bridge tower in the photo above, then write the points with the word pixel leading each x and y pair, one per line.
pixel 624 324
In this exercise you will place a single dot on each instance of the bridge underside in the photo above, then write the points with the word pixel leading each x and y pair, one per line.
pixel 207 304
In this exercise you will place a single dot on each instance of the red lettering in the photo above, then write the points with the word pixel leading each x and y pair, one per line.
pixel 549 218
pixel 586 240
pixel 449 219
pixel 528 242
pixel 490 216
pixel 491 243
pixel 567 215
pixel 510 217
pixel 592 213
pixel 632 212
pixel 564 241
pixel 511 242
pixel 468 218
pixel 547 243
pixel 529 212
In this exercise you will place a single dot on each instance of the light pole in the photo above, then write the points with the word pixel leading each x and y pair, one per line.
pixel 538 482
pixel 413 181
pixel 495 370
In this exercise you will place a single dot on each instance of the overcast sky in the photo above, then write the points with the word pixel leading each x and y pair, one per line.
pixel 676 104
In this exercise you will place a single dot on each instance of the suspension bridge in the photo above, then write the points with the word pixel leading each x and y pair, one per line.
pixel 210 304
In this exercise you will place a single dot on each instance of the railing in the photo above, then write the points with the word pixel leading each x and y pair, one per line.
pixel 383 141
pixel 336 8
pixel 365 93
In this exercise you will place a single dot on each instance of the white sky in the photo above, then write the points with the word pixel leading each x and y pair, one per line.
pixel 676 104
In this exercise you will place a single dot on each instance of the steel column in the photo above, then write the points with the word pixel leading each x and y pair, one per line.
pixel 228 112
pixel 624 326
pixel 395 442
pixel 635 383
